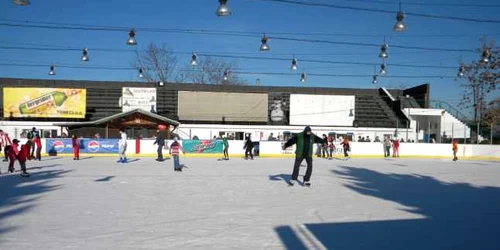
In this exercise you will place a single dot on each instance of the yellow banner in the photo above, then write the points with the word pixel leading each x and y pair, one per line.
pixel 44 102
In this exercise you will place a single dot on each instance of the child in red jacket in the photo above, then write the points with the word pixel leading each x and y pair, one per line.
pixel 24 155
pixel 38 143
pixel 13 152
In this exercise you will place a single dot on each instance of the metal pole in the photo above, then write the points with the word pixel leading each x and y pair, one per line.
pixel 452 131
pixel 477 133
pixel 407 128
pixel 429 133
pixel 465 134
pixel 491 133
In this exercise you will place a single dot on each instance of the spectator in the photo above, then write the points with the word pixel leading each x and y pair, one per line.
pixel 271 137
pixel 387 147
pixel 377 139
pixel 368 139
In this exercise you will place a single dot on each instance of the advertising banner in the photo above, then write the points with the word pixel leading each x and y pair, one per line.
pixel 279 112
pixel 203 146
pixel 44 102
pixel 222 106
pixel 65 146
pixel 138 98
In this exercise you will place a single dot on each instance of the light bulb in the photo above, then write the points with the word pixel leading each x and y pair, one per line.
pixel 264 46
pixel 52 71
pixel 223 9
pixel 194 59
pixel 131 38
pixel 85 55
pixel 399 26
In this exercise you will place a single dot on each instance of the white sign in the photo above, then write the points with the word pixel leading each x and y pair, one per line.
pixel 142 98
pixel 322 110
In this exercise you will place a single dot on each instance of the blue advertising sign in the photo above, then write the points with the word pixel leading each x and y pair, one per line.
pixel 65 146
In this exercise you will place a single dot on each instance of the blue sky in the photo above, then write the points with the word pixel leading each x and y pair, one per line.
pixel 250 16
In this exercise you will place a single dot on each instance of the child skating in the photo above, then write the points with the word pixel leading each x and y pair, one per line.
pixel 347 148
pixel 248 148
pixel 331 146
pixel 76 147
pixel 122 147
pixel 455 149
pixel 175 148
pixel 225 143
pixel 24 155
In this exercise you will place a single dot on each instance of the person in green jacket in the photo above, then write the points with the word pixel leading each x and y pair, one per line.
pixel 305 143
pixel 226 148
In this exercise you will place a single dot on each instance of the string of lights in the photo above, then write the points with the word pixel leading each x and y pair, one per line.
pixel 232 72
pixel 236 57
pixel 426 4
pixel 31 24
pixel 221 33
pixel 335 6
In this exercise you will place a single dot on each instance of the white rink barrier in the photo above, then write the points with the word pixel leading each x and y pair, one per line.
pixel 358 149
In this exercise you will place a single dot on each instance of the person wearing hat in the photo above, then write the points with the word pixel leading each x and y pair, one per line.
pixel 175 148
pixel 304 149
pixel 160 141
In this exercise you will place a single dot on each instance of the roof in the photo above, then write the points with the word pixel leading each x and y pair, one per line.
pixel 120 115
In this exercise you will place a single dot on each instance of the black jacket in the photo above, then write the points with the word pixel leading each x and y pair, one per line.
pixel 248 144
pixel 160 138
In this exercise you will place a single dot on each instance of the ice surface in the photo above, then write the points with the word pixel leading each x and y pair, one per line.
pixel 96 203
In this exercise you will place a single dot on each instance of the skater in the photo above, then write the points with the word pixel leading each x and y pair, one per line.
pixel 455 149
pixel 387 147
pixel 324 147
pixel 38 143
pixel 6 144
pixel 160 141
pixel 31 136
pixel 225 143
pixel 305 144
pixel 346 147
pixel 248 148
pixel 76 147
pixel 23 155
pixel 13 152
pixel 175 148
pixel 331 146
pixel 395 148
pixel 122 146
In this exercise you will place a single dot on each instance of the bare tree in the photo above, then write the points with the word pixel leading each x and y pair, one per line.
pixel 157 63
pixel 210 70
pixel 479 79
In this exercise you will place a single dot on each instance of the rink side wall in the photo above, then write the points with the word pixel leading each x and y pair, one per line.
pixel 358 150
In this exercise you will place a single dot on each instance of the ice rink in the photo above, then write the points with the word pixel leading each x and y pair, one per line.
pixel 96 203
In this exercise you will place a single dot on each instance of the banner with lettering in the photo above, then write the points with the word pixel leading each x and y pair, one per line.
pixel 65 146
pixel 203 146
pixel 44 102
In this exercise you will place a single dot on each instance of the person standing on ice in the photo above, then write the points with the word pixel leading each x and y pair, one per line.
pixel 6 144
pixel 160 141
pixel 122 146
pixel 248 148
pixel 455 149
pixel 346 147
pixel 225 144
pixel 175 148
pixel 76 147
pixel 37 141
pixel 13 152
pixel 395 150
pixel 304 150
